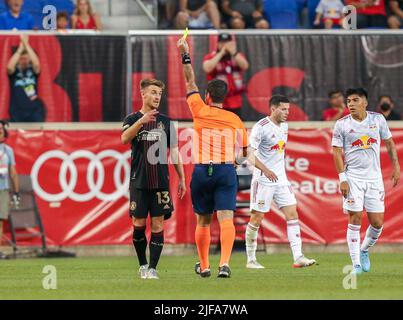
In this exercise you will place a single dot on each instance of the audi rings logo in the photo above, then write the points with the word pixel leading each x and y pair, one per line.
pixel 95 165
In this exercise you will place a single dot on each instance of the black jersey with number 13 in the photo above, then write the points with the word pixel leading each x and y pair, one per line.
pixel 149 160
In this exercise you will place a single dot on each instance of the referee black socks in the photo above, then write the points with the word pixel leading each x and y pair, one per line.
pixel 156 245
pixel 140 244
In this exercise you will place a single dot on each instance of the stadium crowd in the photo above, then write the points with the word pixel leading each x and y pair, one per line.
pixel 28 14
pixel 278 14
pixel 217 14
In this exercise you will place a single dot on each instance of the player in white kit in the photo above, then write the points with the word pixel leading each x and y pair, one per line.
pixel 269 182
pixel 359 136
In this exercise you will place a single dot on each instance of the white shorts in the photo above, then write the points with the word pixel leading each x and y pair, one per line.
pixel 363 194
pixel 201 22
pixel 262 195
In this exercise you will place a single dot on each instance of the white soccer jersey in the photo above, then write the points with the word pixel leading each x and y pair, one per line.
pixel 361 142
pixel 270 140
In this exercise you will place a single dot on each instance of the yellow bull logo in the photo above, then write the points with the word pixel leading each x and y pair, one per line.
pixel 280 146
pixel 364 142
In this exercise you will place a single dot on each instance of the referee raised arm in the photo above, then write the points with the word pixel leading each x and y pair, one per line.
pixel 214 181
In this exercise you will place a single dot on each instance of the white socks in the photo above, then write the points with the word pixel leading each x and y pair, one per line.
pixel 353 241
pixel 251 241
pixel 371 237
pixel 293 234
pixel 294 237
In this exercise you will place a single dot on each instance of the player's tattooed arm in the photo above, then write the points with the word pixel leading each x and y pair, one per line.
pixel 130 131
pixel 339 163
pixel 390 146
pixel 338 159
pixel 187 66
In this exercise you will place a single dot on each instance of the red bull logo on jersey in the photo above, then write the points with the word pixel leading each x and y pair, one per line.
pixel 364 142
pixel 279 147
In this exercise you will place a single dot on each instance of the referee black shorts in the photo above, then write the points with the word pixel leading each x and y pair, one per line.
pixel 214 192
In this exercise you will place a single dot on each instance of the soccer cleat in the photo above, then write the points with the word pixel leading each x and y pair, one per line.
pixel 143 271
pixel 303 261
pixel 254 265
pixel 152 274
pixel 197 268
pixel 224 271
pixel 357 270
pixel 365 263
pixel 205 273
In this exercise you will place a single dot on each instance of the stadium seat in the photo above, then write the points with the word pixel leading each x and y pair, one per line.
pixel 282 14
pixel 3 6
pixel 33 5
pixel 62 5
pixel 312 4
pixel 25 221
pixel 34 8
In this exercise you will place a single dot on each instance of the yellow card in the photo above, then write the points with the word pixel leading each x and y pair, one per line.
pixel 185 34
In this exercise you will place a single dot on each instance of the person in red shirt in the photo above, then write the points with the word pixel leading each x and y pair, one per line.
pixel 84 17
pixel 337 108
pixel 227 64
pixel 370 13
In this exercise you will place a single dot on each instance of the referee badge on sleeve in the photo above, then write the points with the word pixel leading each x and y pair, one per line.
pixel 133 205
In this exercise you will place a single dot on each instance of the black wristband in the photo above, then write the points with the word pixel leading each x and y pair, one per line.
pixel 186 58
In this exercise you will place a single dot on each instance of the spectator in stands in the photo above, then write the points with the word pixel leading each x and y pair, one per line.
pixel 198 14
pixel 370 13
pixel 395 21
pixel 282 14
pixel 386 106
pixel 227 64
pixel 23 70
pixel 62 21
pixel 15 18
pixel 337 107
pixel 7 172
pixel 329 14
pixel 84 18
pixel 241 14
pixel 167 10
pixel 311 6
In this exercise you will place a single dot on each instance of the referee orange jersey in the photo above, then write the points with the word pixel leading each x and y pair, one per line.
pixel 217 132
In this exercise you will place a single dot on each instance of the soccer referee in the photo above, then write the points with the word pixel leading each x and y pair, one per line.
pixel 214 182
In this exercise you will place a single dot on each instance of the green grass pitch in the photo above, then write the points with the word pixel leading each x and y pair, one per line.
pixel 116 278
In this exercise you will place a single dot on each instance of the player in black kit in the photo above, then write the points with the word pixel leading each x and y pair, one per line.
pixel 151 134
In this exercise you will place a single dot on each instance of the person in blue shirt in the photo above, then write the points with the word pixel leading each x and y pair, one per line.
pixel 8 172
pixel 14 18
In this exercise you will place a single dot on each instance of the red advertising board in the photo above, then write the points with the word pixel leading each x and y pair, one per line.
pixel 80 179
